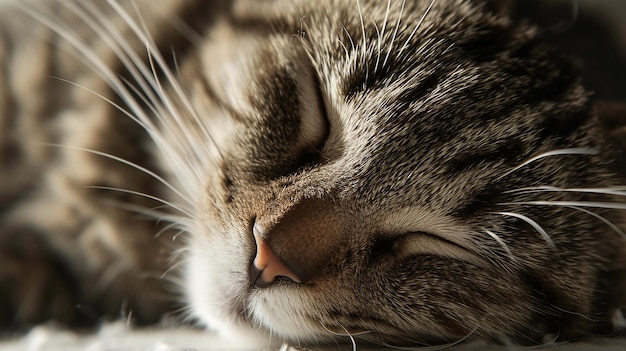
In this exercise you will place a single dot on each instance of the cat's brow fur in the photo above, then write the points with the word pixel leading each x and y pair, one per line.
pixel 428 169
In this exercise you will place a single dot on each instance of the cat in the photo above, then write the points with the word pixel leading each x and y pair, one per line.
pixel 400 172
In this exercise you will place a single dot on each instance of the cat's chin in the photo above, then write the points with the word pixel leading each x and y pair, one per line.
pixel 284 312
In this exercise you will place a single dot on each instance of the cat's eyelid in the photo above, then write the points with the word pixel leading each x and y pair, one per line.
pixel 423 243
pixel 314 123
pixel 427 232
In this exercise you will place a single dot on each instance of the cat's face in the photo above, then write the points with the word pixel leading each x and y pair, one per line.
pixel 362 175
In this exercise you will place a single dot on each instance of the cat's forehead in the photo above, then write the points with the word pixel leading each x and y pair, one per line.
pixel 364 46
pixel 397 84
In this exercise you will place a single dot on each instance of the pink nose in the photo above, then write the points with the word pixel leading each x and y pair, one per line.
pixel 297 242
pixel 266 266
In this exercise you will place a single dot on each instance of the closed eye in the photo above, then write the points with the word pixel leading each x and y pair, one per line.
pixel 423 232
pixel 314 123
pixel 421 243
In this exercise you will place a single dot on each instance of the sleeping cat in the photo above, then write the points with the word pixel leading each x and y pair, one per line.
pixel 401 172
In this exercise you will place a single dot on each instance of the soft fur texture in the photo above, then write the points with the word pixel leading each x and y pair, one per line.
pixel 402 172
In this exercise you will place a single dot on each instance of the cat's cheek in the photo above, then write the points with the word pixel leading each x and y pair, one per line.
pixel 216 286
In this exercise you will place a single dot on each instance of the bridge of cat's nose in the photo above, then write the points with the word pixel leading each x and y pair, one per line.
pixel 298 245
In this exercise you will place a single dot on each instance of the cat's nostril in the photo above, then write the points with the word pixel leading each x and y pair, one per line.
pixel 266 267
pixel 255 277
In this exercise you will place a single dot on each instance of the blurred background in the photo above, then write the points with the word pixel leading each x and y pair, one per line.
pixel 591 32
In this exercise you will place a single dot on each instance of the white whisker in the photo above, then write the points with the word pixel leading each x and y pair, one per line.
pixel 180 222
pixel 572 151
pixel 112 103
pixel 604 220
pixel 378 46
pixel 147 196
pixel 433 348
pixel 168 228
pixel 358 5
pixel 120 46
pixel 105 72
pixel 99 65
pixel 352 340
pixel 126 162
pixel 501 243
pixel 175 60
pixel 395 32
pixel 347 334
pixel 180 232
pixel 154 53
pixel 381 35
pixel 618 190
pixel 182 126
pixel 142 76
pixel 193 148
pixel 105 99
pixel 171 268
pixel 182 161
pixel 364 46
pixel 406 43
pixel 593 204
pixel 534 224
pixel 183 28
pixel 349 35
pixel 344 48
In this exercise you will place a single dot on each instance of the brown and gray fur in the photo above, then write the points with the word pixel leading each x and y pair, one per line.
pixel 431 170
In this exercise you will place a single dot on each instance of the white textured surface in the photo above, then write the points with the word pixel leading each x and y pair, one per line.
pixel 117 337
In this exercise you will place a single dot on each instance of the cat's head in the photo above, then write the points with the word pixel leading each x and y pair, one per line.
pixel 402 171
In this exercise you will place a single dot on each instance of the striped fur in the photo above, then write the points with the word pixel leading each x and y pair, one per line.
pixel 432 170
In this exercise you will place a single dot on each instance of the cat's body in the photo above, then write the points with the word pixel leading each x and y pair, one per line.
pixel 405 172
